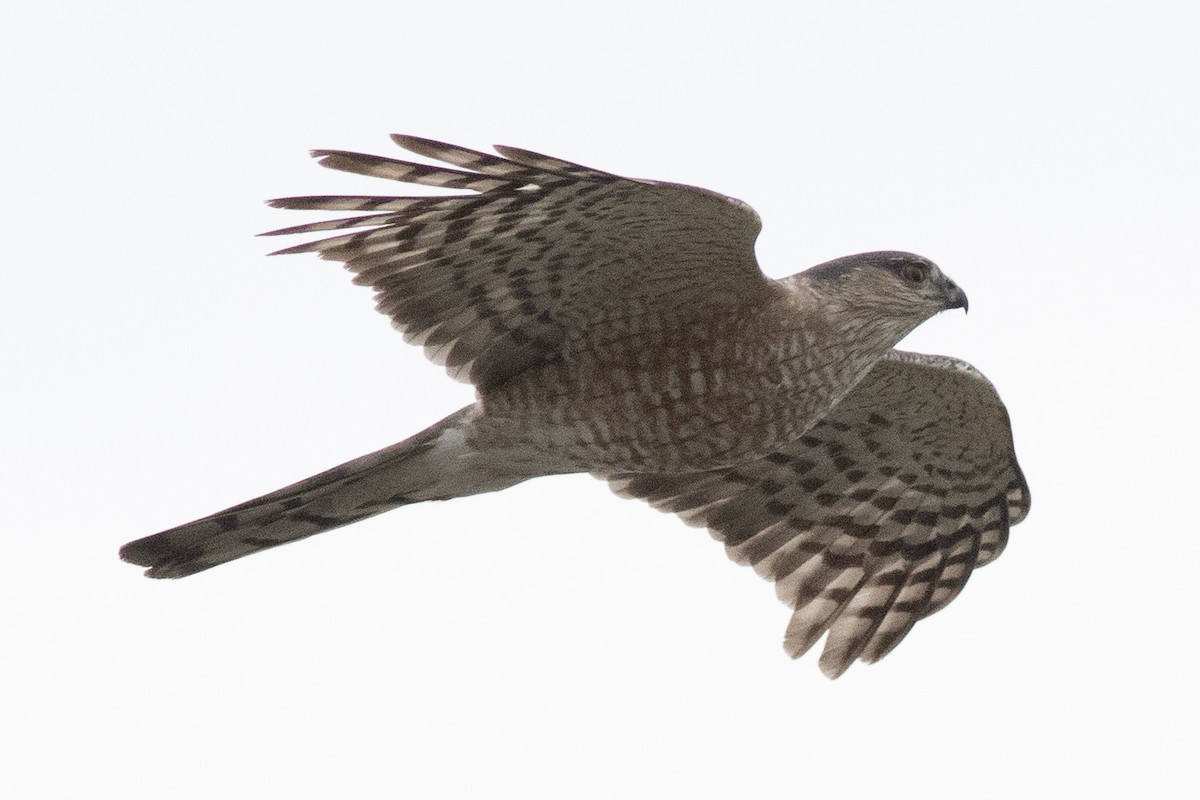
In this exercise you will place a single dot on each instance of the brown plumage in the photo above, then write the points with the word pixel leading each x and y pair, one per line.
pixel 623 328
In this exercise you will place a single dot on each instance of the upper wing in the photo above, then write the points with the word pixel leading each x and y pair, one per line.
pixel 495 282
pixel 877 516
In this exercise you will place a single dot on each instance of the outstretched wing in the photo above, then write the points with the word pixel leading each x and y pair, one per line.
pixel 543 252
pixel 877 516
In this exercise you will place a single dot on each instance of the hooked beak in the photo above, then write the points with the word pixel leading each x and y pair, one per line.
pixel 956 298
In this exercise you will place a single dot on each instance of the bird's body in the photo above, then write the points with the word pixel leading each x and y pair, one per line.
pixel 684 397
pixel 622 328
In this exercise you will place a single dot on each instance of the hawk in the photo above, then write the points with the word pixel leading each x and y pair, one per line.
pixel 623 328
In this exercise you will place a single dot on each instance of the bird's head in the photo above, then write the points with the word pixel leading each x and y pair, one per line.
pixel 886 286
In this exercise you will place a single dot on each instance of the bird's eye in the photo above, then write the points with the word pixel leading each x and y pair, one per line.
pixel 914 273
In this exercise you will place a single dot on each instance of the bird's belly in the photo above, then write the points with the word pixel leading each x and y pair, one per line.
pixel 669 410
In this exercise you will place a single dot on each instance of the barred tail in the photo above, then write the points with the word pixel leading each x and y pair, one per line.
pixel 432 465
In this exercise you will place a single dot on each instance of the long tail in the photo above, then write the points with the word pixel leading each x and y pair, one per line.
pixel 432 465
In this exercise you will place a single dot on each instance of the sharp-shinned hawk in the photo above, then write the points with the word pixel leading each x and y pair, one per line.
pixel 623 328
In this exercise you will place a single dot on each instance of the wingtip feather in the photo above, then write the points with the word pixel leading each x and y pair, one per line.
pixel 411 143
pixel 307 247
pixel 834 665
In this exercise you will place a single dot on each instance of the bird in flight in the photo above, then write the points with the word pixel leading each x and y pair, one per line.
pixel 623 328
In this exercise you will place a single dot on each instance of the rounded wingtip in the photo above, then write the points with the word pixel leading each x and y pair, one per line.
pixel 833 666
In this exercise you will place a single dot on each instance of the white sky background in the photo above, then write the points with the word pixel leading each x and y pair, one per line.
pixel 554 641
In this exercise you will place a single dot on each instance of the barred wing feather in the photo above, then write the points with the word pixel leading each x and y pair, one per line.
pixel 877 516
